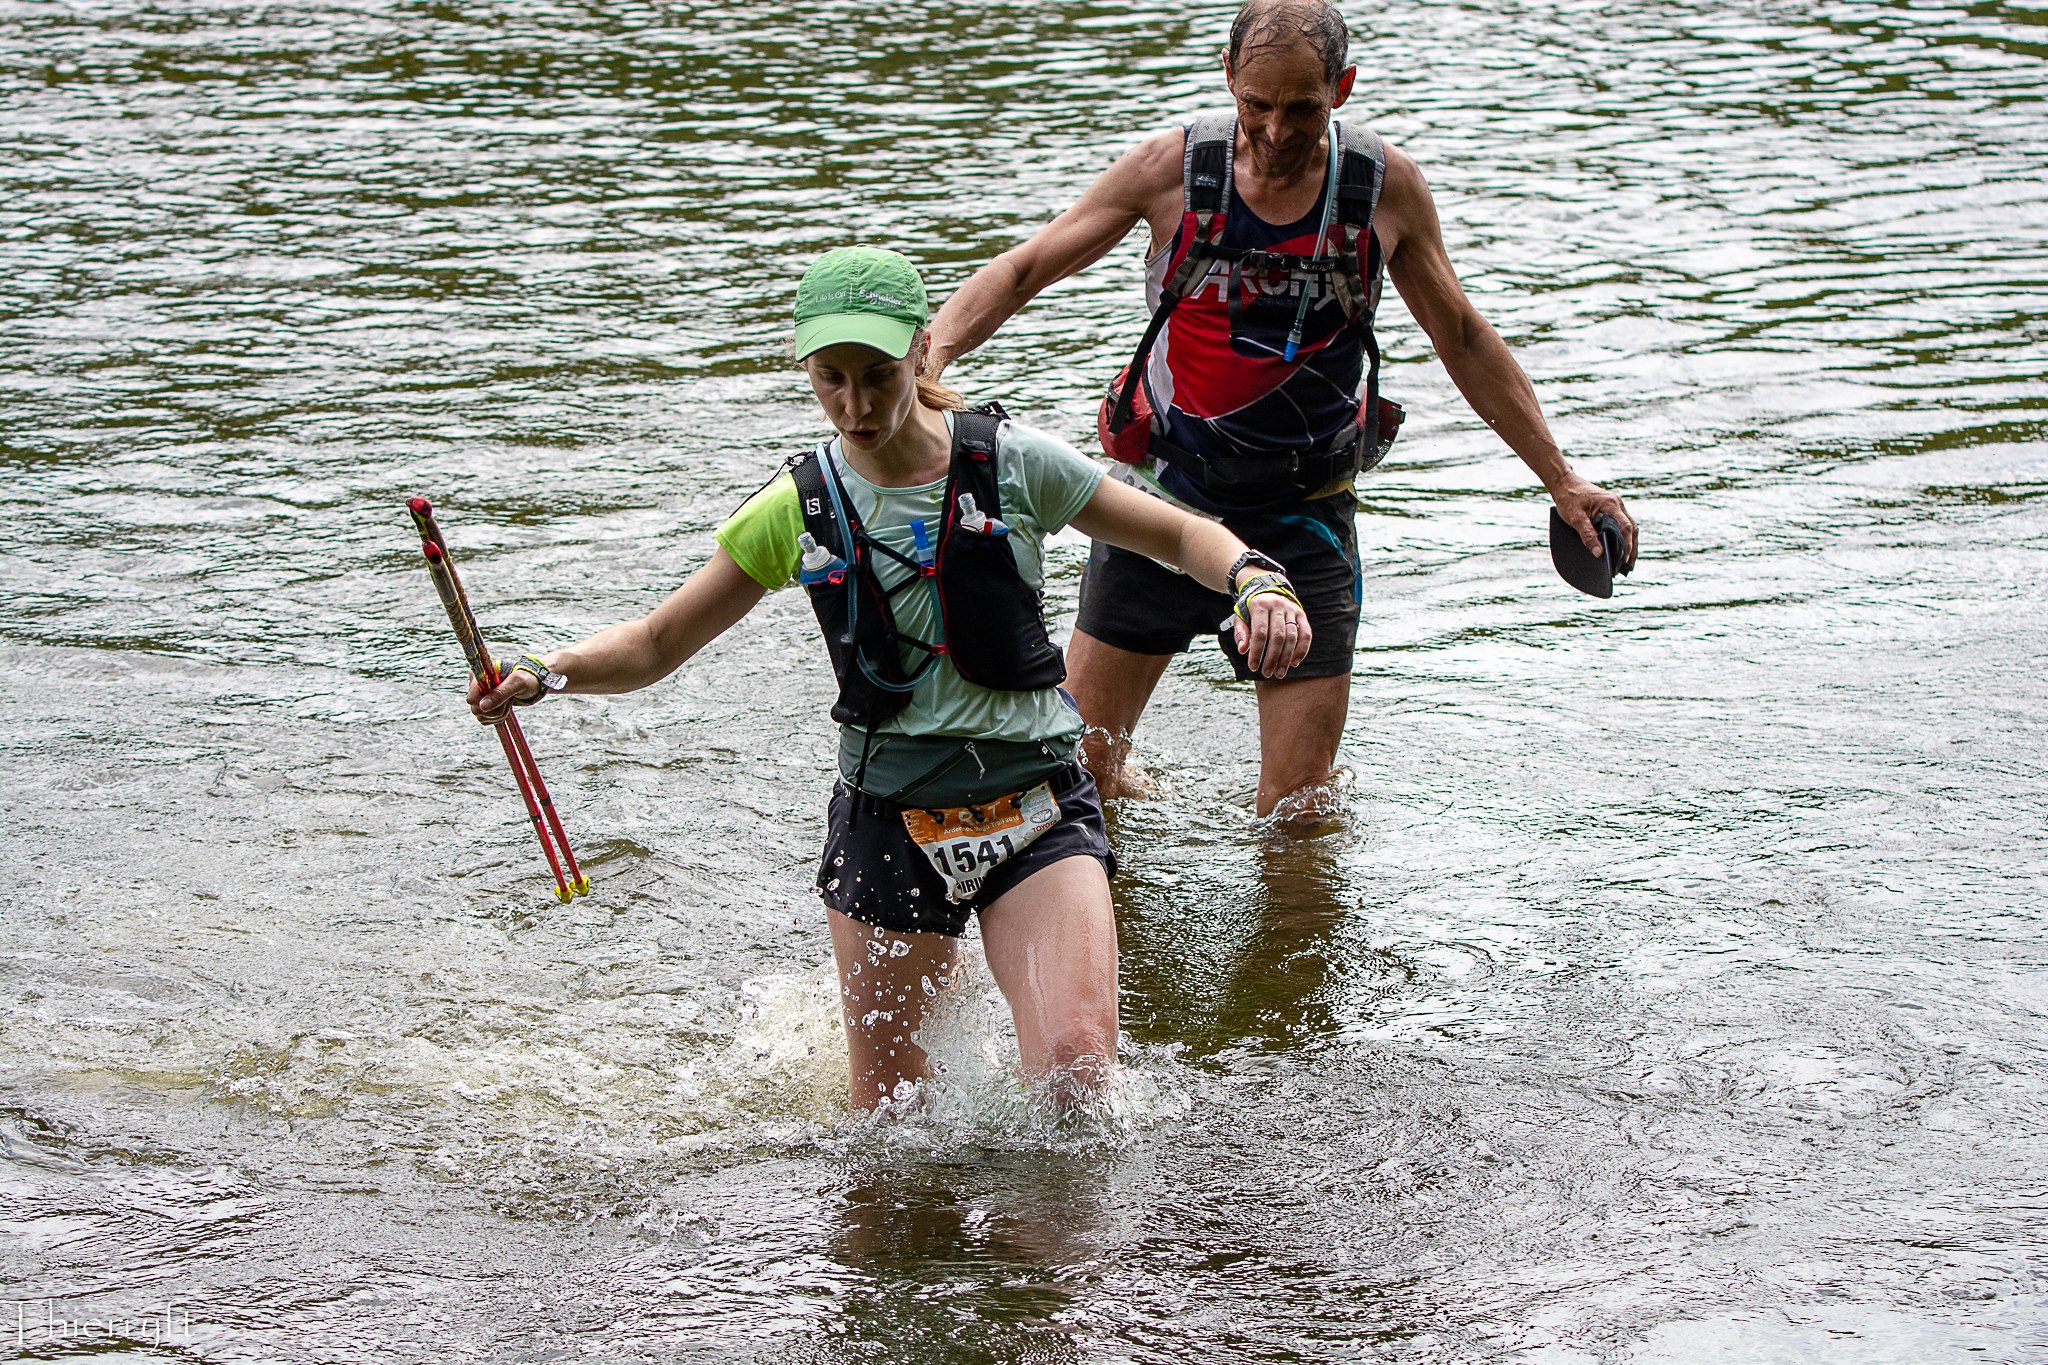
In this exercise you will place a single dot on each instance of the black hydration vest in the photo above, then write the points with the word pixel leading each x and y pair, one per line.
pixel 992 623
pixel 1353 271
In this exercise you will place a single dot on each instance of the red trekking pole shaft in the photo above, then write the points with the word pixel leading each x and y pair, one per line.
pixel 519 772
pixel 464 621
pixel 540 807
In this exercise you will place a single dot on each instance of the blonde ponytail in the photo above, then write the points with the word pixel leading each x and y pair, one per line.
pixel 933 394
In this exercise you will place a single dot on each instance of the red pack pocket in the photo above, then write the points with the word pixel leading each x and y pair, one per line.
pixel 1133 444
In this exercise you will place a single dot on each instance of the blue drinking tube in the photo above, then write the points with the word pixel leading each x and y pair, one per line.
pixel 1322 235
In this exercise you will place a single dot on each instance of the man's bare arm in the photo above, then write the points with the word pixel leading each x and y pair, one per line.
pixel 1128 192
pixel 1478 361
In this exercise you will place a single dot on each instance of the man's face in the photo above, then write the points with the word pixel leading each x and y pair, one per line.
pixel 1283 105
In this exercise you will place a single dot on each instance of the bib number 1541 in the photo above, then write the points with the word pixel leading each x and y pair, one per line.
pixel 965 843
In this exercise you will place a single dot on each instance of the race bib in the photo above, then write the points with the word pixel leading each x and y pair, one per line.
pixel 966 843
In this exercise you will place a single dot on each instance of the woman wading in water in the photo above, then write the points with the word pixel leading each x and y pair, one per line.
pixel 917 531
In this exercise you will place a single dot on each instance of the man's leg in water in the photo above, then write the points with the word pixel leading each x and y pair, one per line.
pixel 1051 946
pixel 887 984
pixel 1111 687
pixel 1301 721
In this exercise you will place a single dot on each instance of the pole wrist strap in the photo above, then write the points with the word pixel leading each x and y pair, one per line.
pixel 550 681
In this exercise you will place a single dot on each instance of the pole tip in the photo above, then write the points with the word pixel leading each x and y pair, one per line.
pixel 420 505
pixel 583 885
pixel 562 894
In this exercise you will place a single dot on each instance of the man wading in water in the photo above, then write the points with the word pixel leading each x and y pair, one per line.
pixel 1255 399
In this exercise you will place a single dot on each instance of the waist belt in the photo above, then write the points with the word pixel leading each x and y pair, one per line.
pixel 1303 470
pixel 1062 780
pixel 1307 470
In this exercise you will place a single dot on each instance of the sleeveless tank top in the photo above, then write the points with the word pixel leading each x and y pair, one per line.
pixel 1218 376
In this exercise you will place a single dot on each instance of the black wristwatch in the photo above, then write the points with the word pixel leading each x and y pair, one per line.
pixel 1249 557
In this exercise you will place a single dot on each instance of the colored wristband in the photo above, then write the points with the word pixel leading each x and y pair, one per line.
pixel 550 681
pixel 1264 583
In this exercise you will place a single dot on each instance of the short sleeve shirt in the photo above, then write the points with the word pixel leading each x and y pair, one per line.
pixel 1044 483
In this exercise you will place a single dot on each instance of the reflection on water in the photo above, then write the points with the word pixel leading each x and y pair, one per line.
pixel 1666 988
pixel 1236 941
pixel 996 1233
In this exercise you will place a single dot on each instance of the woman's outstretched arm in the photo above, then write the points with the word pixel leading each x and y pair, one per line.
pixel 633 654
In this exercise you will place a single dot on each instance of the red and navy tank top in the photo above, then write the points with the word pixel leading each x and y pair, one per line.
pixel 1218 380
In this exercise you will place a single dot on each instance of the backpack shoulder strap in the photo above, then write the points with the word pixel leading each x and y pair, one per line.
pixel 1208 163
pixel 974 431
pixel 815 501
pixel 974 459
pixel 1361 173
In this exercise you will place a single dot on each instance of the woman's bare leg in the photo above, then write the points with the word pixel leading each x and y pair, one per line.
pixel 1051 946
pixel 887 985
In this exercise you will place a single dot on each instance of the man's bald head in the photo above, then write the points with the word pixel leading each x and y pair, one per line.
pixel 1264 24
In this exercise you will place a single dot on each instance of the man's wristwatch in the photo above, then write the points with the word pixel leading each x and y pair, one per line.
pixel 551 682
pixel 1249 557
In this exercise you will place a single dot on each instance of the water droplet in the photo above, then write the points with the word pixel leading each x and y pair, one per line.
pixel 899 949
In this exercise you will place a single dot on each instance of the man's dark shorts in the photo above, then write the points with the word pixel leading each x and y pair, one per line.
pixel 874 871
pixel 1137 604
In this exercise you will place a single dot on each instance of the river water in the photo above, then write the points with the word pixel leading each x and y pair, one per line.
pixel 1671 988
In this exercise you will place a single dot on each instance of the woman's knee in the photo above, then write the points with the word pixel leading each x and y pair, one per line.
pixel 1082 1044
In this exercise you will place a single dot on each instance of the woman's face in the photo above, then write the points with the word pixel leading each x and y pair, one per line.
pixel 866 395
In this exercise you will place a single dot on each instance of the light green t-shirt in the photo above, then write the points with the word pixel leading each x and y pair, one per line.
pixel 1044 483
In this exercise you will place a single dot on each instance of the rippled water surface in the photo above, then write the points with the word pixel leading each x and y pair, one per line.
pixel 1671 990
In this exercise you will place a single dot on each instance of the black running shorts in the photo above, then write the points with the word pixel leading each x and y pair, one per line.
pixel 874 872
pixel 1137 604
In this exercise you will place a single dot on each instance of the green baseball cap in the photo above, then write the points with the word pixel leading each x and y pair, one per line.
pixel 863 294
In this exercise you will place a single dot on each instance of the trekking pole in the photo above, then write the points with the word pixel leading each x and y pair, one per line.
pixel 485 667
pixel 540 807
pixel 435 565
